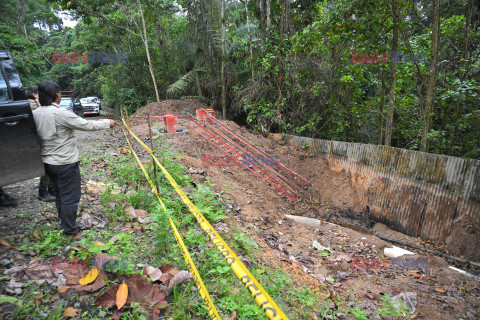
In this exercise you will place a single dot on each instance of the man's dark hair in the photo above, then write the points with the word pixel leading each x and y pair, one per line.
pixel 47 92
pixel 30 91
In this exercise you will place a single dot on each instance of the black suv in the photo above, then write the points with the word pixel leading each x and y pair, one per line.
pixel 20 152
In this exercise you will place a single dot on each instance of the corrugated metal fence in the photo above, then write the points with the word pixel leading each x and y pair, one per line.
pixel 418 193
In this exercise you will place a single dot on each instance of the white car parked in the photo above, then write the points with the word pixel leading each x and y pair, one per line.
pixel 91 105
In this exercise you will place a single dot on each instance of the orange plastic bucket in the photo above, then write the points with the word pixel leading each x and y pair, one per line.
pixel 211 112
pixel 199 114
pixel 171 123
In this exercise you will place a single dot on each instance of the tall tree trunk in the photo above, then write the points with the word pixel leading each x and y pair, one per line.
pixel 380 109
pixel 268 13
pixel 199 88
pixel 162 43
pixel 421 95
pixel 150 66
pixel 466 38
pixel 223 78
pixel 393 74
pixel 249 41
pixel 145 42
pixel 430 96
pixel 280 76
pixel 262 19
pixel 463 72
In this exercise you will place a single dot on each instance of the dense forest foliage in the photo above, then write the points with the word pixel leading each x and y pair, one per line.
pixel 396 72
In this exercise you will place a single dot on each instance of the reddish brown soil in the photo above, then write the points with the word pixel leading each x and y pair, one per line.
pixel 171 107
pixel 441 292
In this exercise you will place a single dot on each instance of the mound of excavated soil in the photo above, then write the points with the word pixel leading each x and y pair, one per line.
pixel 171 107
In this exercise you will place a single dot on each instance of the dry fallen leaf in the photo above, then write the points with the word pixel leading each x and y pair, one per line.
pixel 74 274
pixel 101 259
pixel 88 220
pixel 151 297
pixel 140 213
pixel 122 294
pixel 169 271
pixel 90 277
pixel 37 269
pixel 62 289
pixel 99 283
pixel 440 290
pixel 145 220
pixel 55 297
pixel 130 211
pixel 116 315
pixel 154 273
pixel 179 278
pixel 71 312
pixel 37 301
pixel 37 234
pixel 4 243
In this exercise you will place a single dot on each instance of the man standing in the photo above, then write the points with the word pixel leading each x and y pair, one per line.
pixel 45 187
pixel 56 126
pixel 32 96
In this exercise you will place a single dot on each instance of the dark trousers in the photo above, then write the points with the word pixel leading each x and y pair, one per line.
pixel 67 183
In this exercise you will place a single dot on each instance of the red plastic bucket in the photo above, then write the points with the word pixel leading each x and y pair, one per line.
pixel 211 112
pixel 171 123
pixel 199 114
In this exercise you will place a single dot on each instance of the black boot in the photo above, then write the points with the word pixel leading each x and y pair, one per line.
pixel 44 189
pixel 6 200
pixel 46 197
pixel 51 189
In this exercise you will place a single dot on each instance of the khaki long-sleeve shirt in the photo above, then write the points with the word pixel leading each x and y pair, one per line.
pixel 56 126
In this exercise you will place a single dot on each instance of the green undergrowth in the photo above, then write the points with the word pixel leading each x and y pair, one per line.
pixel 226 290
pixel 156 245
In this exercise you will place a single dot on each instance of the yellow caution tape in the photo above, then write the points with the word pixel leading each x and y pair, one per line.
pixel 207 300
pixel 212 311
pixel 266 303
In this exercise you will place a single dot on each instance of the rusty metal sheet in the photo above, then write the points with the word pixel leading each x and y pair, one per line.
pixel 421 194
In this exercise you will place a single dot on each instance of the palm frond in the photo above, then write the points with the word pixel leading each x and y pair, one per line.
pixel 182 84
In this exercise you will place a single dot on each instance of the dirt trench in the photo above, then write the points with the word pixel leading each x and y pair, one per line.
pixel 259 209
